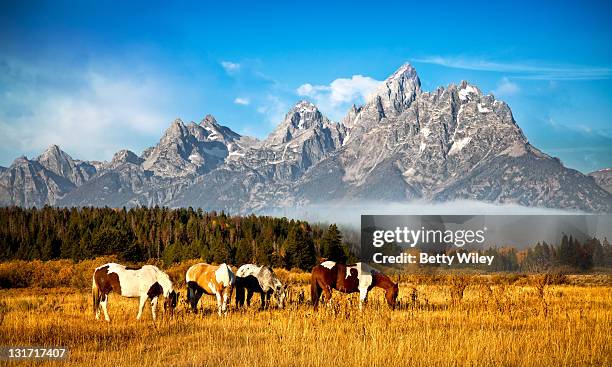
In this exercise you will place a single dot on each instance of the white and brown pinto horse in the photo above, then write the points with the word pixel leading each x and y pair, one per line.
pixel 214 280
pixel 258 279
pixel 147 283
pixel 349 279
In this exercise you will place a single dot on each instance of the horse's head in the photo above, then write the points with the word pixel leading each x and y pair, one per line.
pixel 280 292
pixel 171 301
pixel 391 295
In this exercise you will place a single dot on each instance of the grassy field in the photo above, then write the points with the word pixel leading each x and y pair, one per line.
pixel 493 324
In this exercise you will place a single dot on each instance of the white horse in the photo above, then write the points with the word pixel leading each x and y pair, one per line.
pixel 260 279
pixel 147 282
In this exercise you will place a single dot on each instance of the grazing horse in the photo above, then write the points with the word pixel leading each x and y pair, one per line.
pixel 147 282
pixel 260 279
pixel 210 279
pixel 348 279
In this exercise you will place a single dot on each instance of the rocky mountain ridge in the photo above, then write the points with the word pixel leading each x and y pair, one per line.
pixel 402 144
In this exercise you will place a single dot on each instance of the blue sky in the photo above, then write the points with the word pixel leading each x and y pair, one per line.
pixel 95 78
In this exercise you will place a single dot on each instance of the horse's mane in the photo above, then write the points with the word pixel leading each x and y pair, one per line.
pixel 161 274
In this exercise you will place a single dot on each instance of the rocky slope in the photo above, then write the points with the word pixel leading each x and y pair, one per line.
pixel 603 178
pixel 42 180
pixel 402 144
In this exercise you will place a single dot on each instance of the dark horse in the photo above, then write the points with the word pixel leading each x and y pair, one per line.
pixel 349 279
pixel 258 279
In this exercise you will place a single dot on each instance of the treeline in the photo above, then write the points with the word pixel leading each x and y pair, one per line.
pixel 171 235
pixel 569 253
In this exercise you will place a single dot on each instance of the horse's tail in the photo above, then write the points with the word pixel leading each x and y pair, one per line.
pixel 315 291
pixel 95 294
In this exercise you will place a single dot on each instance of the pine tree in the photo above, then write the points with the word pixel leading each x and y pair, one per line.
pixel 304 256
pixel 331 245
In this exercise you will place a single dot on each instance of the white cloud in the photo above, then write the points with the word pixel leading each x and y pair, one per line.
pixel 536 70
pixel 274 109
pixel 335 99
pixel 230 67
pixel 93 118
pixel 506 87
pixel 242 101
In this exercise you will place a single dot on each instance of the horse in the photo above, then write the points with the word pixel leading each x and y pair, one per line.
pixel 260 279
pixel 147 282
pixel 210 279
pixel 358 277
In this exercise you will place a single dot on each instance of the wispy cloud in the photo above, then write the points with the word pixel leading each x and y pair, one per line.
pixel 242 101
pixel 335 99
pixel 273 108
pixel 522 69
pixel 506 87
pixel 230 67
pixel 91 117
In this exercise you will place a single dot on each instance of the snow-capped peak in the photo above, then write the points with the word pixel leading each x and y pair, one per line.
pixel 466 89
pixel 304 106
pixel 395 94
pixel 405 71
pixel 209 120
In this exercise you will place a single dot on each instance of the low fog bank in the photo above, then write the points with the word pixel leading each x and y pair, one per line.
pixel 508 224
pixel 348 213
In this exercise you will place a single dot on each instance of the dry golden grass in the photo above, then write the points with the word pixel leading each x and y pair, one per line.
pixel 491 325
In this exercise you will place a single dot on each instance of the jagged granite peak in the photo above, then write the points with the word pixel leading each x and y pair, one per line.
pixel 209 120
pixel 56 160
pixel 453 143
pixel 302 139
pixel 126 156
pixel 302 117
pixel 189 150
pixel 28 183
pixel 397 92
pixel 349 119
pixel 603 178
pixel 61 163
pixel 390 99
pixel 218 132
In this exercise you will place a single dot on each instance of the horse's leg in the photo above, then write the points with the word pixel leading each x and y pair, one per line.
pixel 327 294
pixel 268 297
pixel 143 300
pixel 198 295
pixel 263 300
pixel 363 297
pixel 227 294
pixel 249 295
pixel 239 296
pixel 98 311
pixel 190 294
pixel 193 295
pixel 154 307
pixel 104 303
pixel 218 303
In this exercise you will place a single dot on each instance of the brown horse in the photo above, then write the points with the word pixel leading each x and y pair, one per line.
pixel 349 279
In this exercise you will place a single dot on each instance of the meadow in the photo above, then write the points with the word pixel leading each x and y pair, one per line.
pixel 477 320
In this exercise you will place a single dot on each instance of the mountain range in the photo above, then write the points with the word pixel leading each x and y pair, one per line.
pixel 403 144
